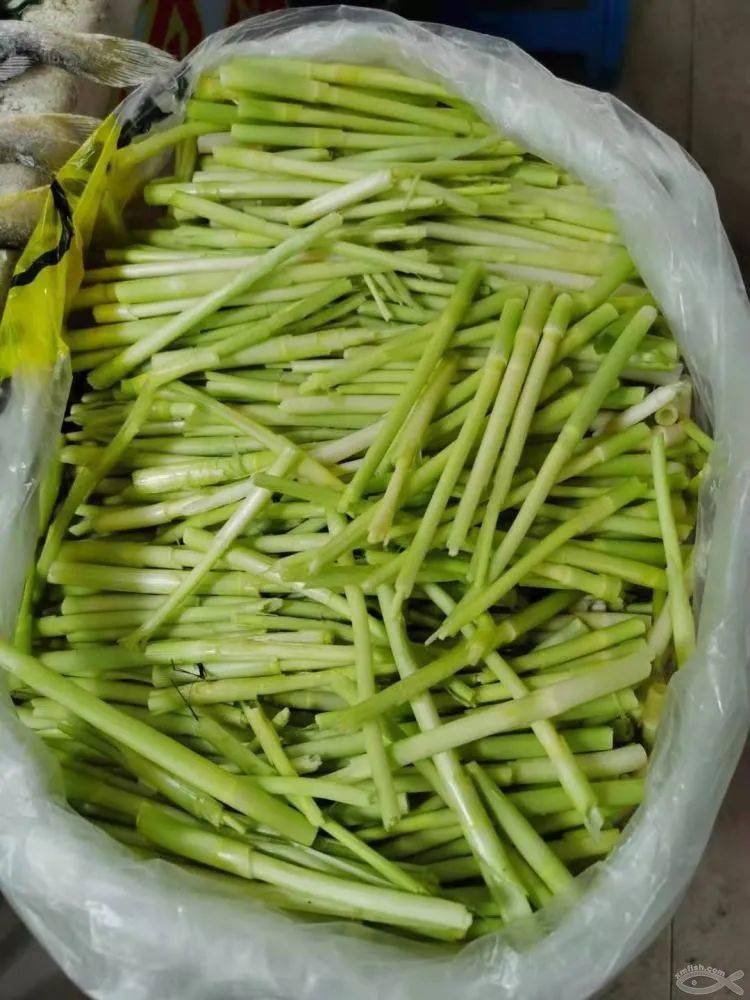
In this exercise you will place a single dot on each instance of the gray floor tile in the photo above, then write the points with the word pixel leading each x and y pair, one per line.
pixel 721 110
pixel 648 978
pixel 712 926
pixel 656 74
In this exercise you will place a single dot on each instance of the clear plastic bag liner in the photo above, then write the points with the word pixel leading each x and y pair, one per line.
pixel 126 929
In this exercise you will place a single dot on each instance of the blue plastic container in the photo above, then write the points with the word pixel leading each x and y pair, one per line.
pixel 592 30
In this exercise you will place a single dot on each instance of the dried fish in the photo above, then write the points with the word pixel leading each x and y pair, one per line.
pixel 117 62
pixel 43 142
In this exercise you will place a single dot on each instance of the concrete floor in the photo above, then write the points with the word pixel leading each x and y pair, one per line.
pixel 687 70
pixel 712 925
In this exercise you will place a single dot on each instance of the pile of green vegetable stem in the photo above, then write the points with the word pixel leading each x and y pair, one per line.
pixel 368 553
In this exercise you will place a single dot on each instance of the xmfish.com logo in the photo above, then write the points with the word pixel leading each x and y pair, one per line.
pixel 700 980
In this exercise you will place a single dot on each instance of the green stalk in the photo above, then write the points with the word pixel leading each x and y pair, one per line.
pixel 619 270
pixel 237 336
pixel 432 917
pixel 559 205
pixel 546 801
pixel 156 747
pixel 265 733
pixel 607 764
pixel 576 845
pixel 185 796
pixel 249 508
pixel 193 475
pixel 631 570
pixel 653 707
pixel 355 76
pixel 547 574
pixel 582 645
pixel 343 197
pixel 557 699
pixel 406 449
pixel 309 465
pixel 550 419
pixel 476 602
pixel 301 114
pixel 378 299
pixel 497 358
pixel 247 561
pixel 82 787
pixel 586 329
pixel 653 403
pixel 228 746
pixel 552 333
pixel 221 692
pixel 410 844
pixel 276 163
pixel 210 111
pixel 376 357
pixel 683 626
pixel 185 237
pixel 572 432
pixel 121 518
pixel 365 679
pixel 87 479
pixel 429 820
pixel 528 745
pixel 136 298
pixel 385 867
pixel 486 846
pixel 235 646
pixel 126 158
pixel 699 436
pixel 402 345
pixel 261 81
pixel 522 834
pixel 559 749
pixel 525 342
pixel 568 229
pixel 57 625
pixel 445 666
pixel 225 216
pixel 434 349
pixel 135 354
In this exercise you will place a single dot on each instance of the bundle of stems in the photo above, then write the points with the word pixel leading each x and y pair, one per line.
pixel 368 555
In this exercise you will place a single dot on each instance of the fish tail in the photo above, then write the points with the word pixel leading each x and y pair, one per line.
pixel 123 62
pixel 117 62
pixel 75 128
pixel 13 66
pixel 18 215
pixel 43 141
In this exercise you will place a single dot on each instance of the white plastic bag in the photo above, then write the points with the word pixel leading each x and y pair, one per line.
pixel 147 931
